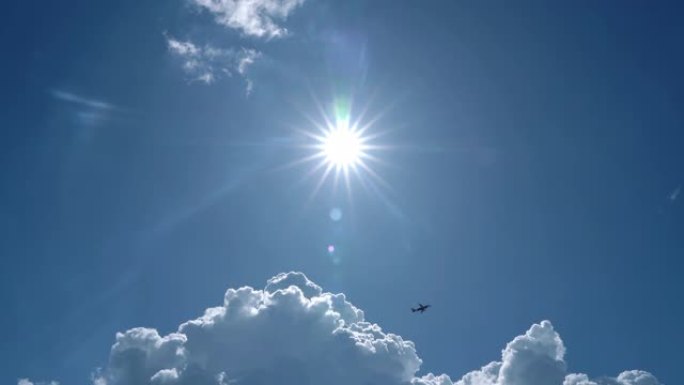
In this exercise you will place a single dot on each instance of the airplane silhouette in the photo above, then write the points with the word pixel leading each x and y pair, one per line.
pixel 421 308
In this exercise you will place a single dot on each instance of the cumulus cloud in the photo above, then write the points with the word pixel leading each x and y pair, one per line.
pixel 207 63
pixel 256 18
pixel 631 377
pixel 537 358
pixel 292 332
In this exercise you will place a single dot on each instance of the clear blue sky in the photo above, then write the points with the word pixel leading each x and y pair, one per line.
pixel 532 153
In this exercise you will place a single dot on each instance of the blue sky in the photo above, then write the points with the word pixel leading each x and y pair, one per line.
pixel 530 153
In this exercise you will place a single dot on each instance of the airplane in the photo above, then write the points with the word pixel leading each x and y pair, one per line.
pixel 421 308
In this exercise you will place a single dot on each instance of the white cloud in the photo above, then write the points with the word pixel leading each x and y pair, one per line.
pixel 292 332
pixel 577 379
pixel 252 17
pixel 82 100
pixel 183 48
pixel 636 377
pixel 248 58
pixel 631 377
pixel 207 64
pixel 89 112
pixel 537 358
pixel 26 381
pixel 675 194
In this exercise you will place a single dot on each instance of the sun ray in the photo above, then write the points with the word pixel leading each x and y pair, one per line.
pixel 347 183
pixel 375 175
pixel 298 162
pixel 321 110
pixel 324 177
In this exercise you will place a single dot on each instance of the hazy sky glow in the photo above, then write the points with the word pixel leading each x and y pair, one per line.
pixel 517 165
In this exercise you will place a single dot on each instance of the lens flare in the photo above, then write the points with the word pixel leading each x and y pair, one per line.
pixel 335 214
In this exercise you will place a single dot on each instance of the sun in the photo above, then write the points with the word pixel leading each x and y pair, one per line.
pixel 343 150
pixel 342 147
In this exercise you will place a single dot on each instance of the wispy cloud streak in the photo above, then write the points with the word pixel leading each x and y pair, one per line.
pixel 208 64
pixel 82 100
pixel 88 111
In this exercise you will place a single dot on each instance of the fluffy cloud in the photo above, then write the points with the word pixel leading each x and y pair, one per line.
pixel 631 377
pixel 207 64
pixel 252 17
pixel 292 332
pixel 537 358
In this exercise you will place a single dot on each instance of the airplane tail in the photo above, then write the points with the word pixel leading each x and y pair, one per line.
pixel 413 310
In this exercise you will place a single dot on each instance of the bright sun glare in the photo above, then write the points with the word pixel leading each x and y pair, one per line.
pixel 342 147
